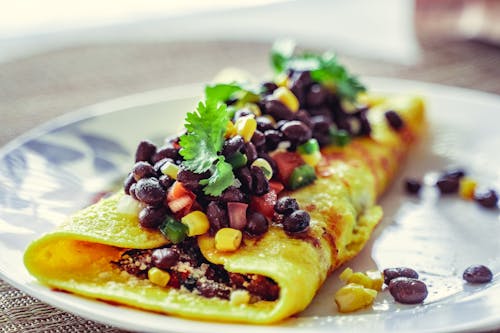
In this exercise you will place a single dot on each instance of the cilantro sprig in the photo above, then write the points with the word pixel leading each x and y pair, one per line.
pixel 324 68
pixel 203 141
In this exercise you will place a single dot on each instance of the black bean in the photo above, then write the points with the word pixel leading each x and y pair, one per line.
pixel 245 178
pixel 189 283
pixel 364 125
pixel 258 139
pixel 392 273
pixel 143 170
pixel 217 216
pixel 165 258
pixel 269 87
pixel 407 290
pixel 208 289
pixel 487 199
pixel 152 217
pixel 273 138
pixel 190 179
pixel 321 111
pixel 321 123
pixel 303 116
pixel 131 191
pixel 316 96
pixel 167 151
pixel 448 185
pixel 257 223
pixel 296 131
pixel 264 124
pixel 478 274
pixel 232 194
pixel 250 152
pixel 322 138
pixel 454 173
pixel 412 186
pixel 241 113
pixel 394 120
pixel 278 110
pixel 166 181
pixel 297 221
pixel 145 151
pixel 232 145
pixel 149 191
pixel 128 182
pixel 286 206
pixel 299 84
pixel 259 180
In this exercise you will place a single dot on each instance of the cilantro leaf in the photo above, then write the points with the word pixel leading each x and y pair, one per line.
pixel 205 135
pixel 324 69
pixel 221 92
pixel 221 178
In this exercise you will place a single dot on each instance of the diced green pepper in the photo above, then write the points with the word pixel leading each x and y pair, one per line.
pixel 309 147
pixel 301 176
pixel 174 230
pixel 237 160
pixel 339 137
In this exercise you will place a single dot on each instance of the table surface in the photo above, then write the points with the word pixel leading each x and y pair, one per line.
pixel 38 88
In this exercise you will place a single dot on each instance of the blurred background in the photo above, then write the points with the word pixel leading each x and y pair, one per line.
pixel 57 56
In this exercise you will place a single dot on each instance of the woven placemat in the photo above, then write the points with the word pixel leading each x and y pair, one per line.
pixel 36 89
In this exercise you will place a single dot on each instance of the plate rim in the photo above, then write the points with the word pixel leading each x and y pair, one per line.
pixel 393 85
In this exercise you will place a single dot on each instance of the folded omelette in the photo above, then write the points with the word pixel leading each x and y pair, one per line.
pixel 103 253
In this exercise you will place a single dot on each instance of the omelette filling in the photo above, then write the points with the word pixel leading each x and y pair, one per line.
pixel 193 273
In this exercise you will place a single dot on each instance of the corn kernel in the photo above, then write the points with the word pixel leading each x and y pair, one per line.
pixel 246 126
pixel 352 297
pixel 467 188
pixel 271 119
pixel 361 279
pixel 254 108
pixel 170 169
pixel 228 239
pixel 197 223
pixel 158 276
pixel 265 166
pixel 377 279
pixel 285 96
pixel 239 297
pixel 230 130
pixel 281 80
pixel 312 159
pixel 346 274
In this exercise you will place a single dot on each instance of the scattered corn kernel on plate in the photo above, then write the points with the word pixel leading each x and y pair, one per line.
pixel 439 236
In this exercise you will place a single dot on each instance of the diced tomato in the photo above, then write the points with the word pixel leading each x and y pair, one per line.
pixel 237 212
pixel 179 199
pixel 286 163
pixel 276 186
pixel 264 204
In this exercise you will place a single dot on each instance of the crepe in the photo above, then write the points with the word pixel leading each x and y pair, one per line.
pixel 78 257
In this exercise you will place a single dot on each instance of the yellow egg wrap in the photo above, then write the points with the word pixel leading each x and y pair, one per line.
pixel 77 256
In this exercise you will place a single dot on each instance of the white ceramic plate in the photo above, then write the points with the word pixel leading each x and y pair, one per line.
pixel 57 168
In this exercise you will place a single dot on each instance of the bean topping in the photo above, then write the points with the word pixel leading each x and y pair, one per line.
pixel 168 151
pixel 258 139
pixel 478 274
pixel 487 199
pixel 165 181
pixel 448 185
pixel 190 179
pixel 264 124
pixel 250 152
pixel 394 120
pixel 407 290
pixel 286 205
pixel 316 95
pixel 259 180
pixel 392 273
pixel 278 110
pixel 143 170
pixel 149 191
pixel 273 138
pixel 152 217
pixel 256 223
pixel 217 216
pixel 269 87
pixel 145 151
pixel 232 194
pixel 165 258
pixel 296 131
pixel 413 186
pixel 232 145
pixel 245 178
pixel 128 182
pixel 297 221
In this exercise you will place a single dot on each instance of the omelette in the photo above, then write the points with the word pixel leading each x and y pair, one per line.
pixel 205 259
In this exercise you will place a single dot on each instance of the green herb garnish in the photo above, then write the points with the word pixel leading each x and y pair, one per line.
pixel 202 142
pixel 324 68
pixel 221 92
pixel 221 178
pixel 205 135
